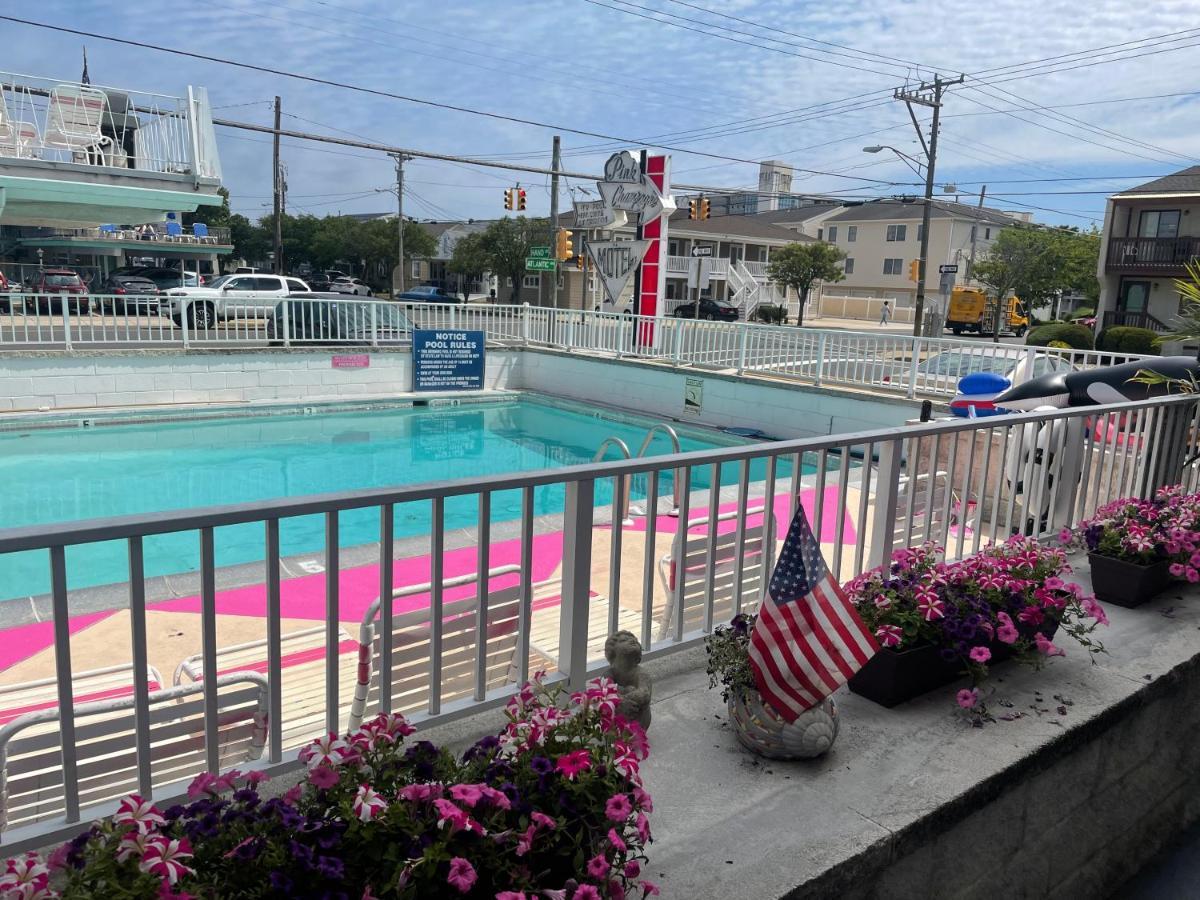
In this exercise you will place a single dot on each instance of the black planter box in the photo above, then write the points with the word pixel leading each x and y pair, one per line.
pixel 890 678
pixel 1127 584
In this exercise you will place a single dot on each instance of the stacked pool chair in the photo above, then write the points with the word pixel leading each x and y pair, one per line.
pixel 977 394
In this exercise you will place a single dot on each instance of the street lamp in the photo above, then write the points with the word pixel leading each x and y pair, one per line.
pixel 915 164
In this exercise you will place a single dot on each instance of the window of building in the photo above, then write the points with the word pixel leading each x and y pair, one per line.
pixel 893 267
pixel 415 271
pixel 508 282
pixel 532 281
pixel 820 234
pixel 987 234
pixel 851 233
pixel 850 265
pixel 833 234
pixel 897 232
pixel 672 248
pixel 1159 223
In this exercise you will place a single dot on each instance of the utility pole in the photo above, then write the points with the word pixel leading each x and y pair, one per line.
pixel 974 230
pixel 554 164
pixel 277 266
pixel 926 95
pixel 399 281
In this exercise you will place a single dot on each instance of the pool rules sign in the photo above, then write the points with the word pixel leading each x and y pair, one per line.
pixel 448 360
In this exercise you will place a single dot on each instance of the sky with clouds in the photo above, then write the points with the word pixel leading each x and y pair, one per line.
pixel 749 79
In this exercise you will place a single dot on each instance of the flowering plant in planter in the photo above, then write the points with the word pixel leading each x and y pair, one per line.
pixel 1006 600
pixel 552 807
pixel 1145 532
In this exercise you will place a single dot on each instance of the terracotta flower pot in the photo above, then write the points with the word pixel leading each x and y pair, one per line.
pixel 761 730
pixel 1127 584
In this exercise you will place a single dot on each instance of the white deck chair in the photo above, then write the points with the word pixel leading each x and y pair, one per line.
pixel 928 513
pixel 90 686
pixel 74 114
pixel 684 572
pixel 17 138
pixel 31 777
pixel 252 655
pixel 412 647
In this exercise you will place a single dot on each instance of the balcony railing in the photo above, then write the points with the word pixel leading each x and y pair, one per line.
pixel 436 647
pixel 161 233
pixel 65 121
pixel 1151 254
pixel 719 266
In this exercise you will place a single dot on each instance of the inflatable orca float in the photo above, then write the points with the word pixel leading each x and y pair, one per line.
pixel 1107 384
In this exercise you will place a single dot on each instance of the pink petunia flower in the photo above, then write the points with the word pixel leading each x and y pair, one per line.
pixel 132 846
pixel 1031 615
pixel 202 784
pixel 420 793
pixel 141 814
pixel 586 892
pixel 633 868
pixel 598 867
pixel 642 800
pixel 968 698
pixel 462 875
pixel 466 794
pixel 615 839
pixel 889 635
pixel 543 821
pixel 571 764
pixel 649 889
pixel 931 606
pixel 368 804
pixel 642 824
pixel 511 895
pixel 980 654
pixel 525 840
pixel 1007 632
pixel 164 859
pixel 618 808
pixel 1046 646
pixel 882 601
pixel 24 872
pixel 323 777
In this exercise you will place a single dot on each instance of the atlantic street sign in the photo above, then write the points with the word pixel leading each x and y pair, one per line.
pixel 538 265
pixel 539 252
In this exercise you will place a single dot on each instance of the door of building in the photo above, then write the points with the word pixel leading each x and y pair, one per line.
pixel 1134 296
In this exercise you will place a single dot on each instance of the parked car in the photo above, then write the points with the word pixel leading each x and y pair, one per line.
pixel 126 293
pixel 53 287
pixel 354 286
pixel 230 297
pixel 320 281
pixel 5 288
pixel 428 293
pixel 163 278
pixel 720 310
pixel 329 316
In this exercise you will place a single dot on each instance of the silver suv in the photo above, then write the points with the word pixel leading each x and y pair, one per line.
pixel 230 297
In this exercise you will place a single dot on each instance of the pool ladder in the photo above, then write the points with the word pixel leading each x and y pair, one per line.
pixel 627 512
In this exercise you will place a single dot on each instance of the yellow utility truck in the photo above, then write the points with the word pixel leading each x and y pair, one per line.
pixel 971 310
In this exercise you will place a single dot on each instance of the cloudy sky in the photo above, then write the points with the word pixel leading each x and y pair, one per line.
pixel 1051 116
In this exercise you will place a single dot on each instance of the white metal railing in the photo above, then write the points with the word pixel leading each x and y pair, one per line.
pixel 67 121
pixel 892 363
pixel 461 650
pixel 680 265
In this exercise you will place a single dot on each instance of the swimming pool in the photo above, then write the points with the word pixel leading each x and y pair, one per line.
pixel 72 473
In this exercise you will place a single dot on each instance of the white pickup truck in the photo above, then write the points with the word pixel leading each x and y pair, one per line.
pixel 243 296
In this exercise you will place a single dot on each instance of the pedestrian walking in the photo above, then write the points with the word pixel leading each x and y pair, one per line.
pixel 885 314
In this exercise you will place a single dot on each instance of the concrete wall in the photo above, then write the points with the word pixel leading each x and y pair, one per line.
pixel 781 410
pixel 147 378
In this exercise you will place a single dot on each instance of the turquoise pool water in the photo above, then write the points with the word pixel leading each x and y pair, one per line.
pixel 68 474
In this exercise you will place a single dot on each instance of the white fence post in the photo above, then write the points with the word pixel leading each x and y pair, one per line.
pixel 184 309
pixel 1029 358
pixel 66 314
pixel 374 325
pixel 745 335
pixel 820 373
pixel 576 582
pixel 570 331
pixel 911 391
pixel 525 323
pixel 887 483
pixel 287 324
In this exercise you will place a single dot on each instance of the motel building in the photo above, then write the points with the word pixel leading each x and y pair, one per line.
pixel 95 178
pixel 217 550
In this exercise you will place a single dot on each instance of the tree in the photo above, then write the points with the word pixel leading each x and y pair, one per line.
pixel 1037 263
pixel 506 243
pixel 469 259
pixel 250 242
pixel 800 266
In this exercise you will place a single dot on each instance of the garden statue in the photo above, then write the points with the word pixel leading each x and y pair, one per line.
pixel 624 654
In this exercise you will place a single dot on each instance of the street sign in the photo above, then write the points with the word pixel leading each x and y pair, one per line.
pixel 538 265
pixel 616 261
pixel 702 251
pixel 951 269
pixel 539 253
pixel 597 214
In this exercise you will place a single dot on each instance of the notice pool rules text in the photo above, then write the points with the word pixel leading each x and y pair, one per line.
pixel 448 360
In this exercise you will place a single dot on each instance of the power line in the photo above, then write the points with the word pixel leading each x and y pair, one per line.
pixel 312 79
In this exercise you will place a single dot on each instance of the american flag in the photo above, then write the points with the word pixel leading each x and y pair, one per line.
pixel 807 640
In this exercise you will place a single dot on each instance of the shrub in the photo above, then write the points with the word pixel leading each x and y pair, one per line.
pixel 1075 336
pixel 1084 312
pixel 552 805
pixel 1059 345
pixel 770 314
pixel 1127 339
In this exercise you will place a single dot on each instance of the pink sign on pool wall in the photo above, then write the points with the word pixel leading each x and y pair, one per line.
pixel 352 361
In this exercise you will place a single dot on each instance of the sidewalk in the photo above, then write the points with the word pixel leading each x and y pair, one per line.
pixel 872 325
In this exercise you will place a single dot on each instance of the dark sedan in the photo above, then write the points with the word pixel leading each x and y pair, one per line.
pixel 428 293
pixel 713 310
pixel 127 293
pixel 334 318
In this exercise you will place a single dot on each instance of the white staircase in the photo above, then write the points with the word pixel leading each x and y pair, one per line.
pixel 746 292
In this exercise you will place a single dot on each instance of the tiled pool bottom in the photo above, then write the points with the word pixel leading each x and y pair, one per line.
pixel 164 463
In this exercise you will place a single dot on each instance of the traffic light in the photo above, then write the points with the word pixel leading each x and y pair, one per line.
pixel 563 248
pixel 521 199
pixel 693 209
pixel 704 208
pixel 914 271
pixel 580 261
pixel 509 194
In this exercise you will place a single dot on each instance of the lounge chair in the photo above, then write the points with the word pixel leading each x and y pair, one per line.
pixel 200 232
pixel 74 114
pixel 90 686
pixel 684 571
pixel 174 231
pixel 296 647
pixel 412 648
pixel 31 773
